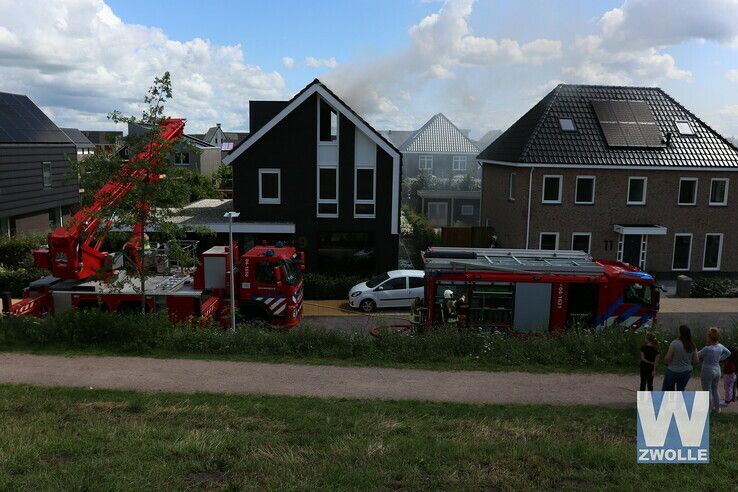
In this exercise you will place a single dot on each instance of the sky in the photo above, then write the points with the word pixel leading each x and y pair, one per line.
pixel 482 63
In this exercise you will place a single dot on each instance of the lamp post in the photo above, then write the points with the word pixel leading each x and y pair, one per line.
pixel 231 216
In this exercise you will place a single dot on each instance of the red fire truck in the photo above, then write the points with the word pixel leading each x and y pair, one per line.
pixel 269 287
pixel 535 291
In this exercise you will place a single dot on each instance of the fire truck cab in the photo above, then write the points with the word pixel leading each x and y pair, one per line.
pixel 534 291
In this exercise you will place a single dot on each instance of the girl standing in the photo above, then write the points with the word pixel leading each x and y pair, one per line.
pixel 712 355
pixel 679 359
pixel 649 361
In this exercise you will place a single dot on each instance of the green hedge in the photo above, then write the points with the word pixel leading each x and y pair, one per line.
pixel 319 286
pixel 608 350
pixel 16 279
pixel 15 252
pixel 714 287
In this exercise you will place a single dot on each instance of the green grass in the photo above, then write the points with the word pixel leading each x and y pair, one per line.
pixel 52 439
pixel 78 332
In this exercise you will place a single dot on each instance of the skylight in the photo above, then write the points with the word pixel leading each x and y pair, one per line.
pixel 684 128
pixel 567 124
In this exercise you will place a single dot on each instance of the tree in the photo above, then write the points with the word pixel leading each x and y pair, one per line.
pixel 157 189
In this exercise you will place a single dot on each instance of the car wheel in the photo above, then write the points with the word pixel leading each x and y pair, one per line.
pixel 367 305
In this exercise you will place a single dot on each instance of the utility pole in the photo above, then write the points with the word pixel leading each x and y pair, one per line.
pixel 231 215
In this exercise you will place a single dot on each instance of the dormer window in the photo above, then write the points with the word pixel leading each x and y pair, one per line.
pixel 685 128
pixel 567 124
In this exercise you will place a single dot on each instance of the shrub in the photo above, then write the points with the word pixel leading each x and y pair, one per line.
pixel 714 287
pixel 319 286
pixel 14 280
pixel 15 252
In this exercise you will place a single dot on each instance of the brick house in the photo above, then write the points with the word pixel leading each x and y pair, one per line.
pixel 625 173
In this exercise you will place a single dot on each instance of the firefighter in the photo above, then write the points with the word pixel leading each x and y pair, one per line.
pixel 448 306
pixel 462 310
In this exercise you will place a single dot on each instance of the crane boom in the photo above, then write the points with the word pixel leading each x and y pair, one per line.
pixel 73 250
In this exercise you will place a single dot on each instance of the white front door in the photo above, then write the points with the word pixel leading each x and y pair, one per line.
pixel 392 293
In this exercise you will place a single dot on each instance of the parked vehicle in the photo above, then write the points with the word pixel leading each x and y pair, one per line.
pixel 534 291
pixel 396 288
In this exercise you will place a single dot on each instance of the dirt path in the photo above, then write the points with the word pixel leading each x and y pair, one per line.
pixel 189 376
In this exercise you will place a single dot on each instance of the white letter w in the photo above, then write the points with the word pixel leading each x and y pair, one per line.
pixel 673 405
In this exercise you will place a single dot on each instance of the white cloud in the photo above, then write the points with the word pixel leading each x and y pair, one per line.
pixel 288 62
pixel 313 62
pixel 442 46
pixel 732 75
pixel 86 62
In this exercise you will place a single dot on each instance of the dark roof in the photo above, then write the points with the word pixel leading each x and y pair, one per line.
pixel 537 137
pixel 21 121
pixel 398 137
pixel 348 108
pixel 439 135
pixel 102 137
pixel 77 137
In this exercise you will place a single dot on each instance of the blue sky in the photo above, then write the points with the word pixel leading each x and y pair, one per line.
pixel 483 63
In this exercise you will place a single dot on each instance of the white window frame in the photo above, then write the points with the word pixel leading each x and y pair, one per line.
pixel 589 236
pixel 720 252
pixel 540 239
pixel 271 201
pixel 673 251
pixel 44 164
pixel 423 161
pixel 326 201
pixel 576 190
pixel 511 185
pixel 724 203
pixel 458 159
pixel 679 192
pixel 543 188
pixel 628 201
pixel 373 201
pixel 467 206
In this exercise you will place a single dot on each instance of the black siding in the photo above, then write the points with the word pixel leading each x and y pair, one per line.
pixel 21 178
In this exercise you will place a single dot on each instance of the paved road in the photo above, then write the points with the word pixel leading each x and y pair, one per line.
pixel 190 376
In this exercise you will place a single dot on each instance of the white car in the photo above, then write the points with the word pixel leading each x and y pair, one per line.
pixel 396 288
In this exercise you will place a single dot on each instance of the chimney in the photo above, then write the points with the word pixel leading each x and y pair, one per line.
pixel 218 125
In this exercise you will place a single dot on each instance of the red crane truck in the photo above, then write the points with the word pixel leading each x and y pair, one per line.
pixel 533 291
pixel 269 287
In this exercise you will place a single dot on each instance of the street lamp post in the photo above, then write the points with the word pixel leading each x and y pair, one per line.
pixel 231 216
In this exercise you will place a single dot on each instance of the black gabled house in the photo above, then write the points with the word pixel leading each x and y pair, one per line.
pixel 314 166
pixel 36 191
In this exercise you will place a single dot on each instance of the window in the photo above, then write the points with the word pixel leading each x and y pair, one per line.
pixel 567 124
pixel 511 187
pixel 552 189
pixel 327 191
pixel 684 128
pixel 395 283
pixel 364 192
pixel 713 251
pixel 328 123
pixel 549 240
pixel 46 170
pixel 467 210
pixel 719 192
pixel 459 163
pixel 581 241
pixel 585 191
pixel 269 186
pixel 437 213
pixel 425 163
pixel 416 282
pixel 682 251
pixel 638 294
pixel 265 273
pixel 637 191
pixel 687 191
pixel 181 158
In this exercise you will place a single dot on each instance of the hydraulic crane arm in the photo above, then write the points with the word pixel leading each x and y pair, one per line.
pixel 74 249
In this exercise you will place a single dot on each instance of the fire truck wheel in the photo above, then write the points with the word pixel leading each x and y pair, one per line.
pixel 367 305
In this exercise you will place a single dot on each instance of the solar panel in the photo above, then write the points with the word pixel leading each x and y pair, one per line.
pixel 21 121
pixel 627 123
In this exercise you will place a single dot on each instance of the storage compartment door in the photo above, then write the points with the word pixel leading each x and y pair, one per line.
pixel 532 307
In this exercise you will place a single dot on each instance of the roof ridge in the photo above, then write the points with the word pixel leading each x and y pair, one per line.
pixel 539 124
pixel 410 140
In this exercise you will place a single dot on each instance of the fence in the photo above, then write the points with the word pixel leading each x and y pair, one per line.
pixel 473 237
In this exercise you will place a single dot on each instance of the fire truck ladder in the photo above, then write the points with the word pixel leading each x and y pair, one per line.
pixel 512 260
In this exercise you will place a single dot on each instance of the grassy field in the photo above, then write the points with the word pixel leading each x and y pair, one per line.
pixel 91 439
pixel 76 332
